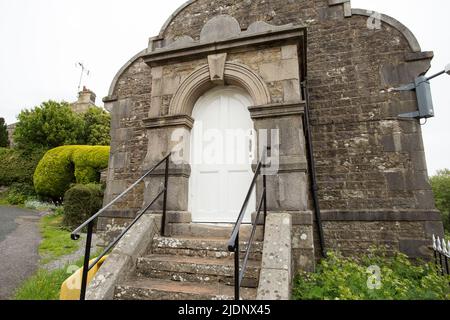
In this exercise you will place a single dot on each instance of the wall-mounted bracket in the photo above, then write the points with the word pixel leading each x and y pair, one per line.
pixel 422 87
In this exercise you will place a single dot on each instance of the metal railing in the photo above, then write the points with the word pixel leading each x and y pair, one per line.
pixel 90 223
pixel 233 244
pixel 441 250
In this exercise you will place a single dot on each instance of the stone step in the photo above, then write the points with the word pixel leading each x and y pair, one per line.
pixel 213 231
pixel 140 288
pixel 196 269
pixel 202 247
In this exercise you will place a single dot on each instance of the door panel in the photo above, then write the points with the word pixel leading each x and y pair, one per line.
pixel 221 170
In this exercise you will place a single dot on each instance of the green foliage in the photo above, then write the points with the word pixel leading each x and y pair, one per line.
pixel 62 166
pixel 80 203
pixel 56 241
pixel 19 193
pixel 97 127
pixel 50 125
pixel 441 188
pixel 4 142
pixel 54 124
pixel 18 166
pixel 339 278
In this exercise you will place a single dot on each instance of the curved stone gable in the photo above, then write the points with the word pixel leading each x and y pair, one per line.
pixel 188 21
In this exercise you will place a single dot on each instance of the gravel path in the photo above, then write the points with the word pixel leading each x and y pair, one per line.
pixel 19 242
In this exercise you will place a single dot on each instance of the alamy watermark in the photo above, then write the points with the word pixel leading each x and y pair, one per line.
pixel 230 147
pixel 374 20
pixel 374 278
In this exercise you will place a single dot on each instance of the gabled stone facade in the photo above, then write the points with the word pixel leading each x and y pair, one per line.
pixel 372 178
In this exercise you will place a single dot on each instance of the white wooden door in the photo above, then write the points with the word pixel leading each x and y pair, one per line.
pixel 220 156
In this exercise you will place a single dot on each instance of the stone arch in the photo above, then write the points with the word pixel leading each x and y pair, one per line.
pixel 199 81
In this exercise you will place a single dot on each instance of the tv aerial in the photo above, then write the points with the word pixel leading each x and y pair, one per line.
pixel 84 71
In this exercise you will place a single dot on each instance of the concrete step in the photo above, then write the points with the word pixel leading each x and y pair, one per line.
pixel 202 247
pixel 213 231
pixel 140 288
pixel 196 269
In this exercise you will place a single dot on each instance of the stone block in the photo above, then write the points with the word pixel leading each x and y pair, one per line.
pixel 280 70
pixel 416 248
pixel 395 181
pixel 289 52
pixel 287 191
pixel 303 260
pixel 220 27
pixel 302 237
pixel 179 217
pixel 434 228
pixel 291 90
pixel 274 285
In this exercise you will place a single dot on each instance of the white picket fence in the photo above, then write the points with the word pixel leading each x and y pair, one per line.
pixel 441 249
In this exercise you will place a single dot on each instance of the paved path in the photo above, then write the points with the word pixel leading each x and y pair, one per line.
pixel 19 242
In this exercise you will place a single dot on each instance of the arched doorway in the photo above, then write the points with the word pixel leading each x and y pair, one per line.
pixel 222 148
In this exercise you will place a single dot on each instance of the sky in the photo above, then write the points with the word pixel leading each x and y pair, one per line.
pixel 42 41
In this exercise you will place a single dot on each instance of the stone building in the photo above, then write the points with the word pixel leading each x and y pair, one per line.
pixel 274 65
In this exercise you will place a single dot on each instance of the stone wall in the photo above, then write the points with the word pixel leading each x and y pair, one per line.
pixel 368 161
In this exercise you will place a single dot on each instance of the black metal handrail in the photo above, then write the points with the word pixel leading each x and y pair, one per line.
pixel 233 244
pixel 90 223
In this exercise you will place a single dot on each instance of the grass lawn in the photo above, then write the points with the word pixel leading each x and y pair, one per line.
pixel 44 285
pixel 56 241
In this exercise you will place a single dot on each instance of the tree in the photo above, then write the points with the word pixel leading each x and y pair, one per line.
pixel 441 188
pixel 97 127
pixel 4 142
pixel 49 126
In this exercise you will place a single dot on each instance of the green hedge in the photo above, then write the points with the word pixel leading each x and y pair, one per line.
pixel 81 202
pixel 62 166
pixel 18 166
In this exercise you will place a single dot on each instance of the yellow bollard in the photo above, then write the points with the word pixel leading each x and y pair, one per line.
pixel 70 289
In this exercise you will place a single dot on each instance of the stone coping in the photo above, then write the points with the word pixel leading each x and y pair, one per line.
pixel 275 280
pixel 122 260
pixel 162 56
pixel 277 110
pixel 182 120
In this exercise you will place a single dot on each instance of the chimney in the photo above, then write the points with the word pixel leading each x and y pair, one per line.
pixel 86 97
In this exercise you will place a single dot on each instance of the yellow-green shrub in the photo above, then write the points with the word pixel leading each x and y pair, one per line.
pixel 62 166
